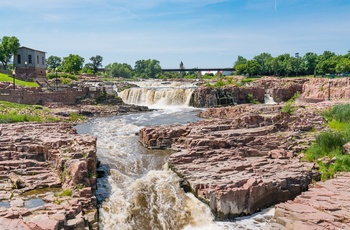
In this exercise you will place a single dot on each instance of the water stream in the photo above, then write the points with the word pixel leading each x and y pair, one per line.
pixel 139 191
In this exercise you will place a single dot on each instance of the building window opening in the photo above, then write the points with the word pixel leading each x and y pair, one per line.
pixel 37 59
pixel 18 59
pixel 30 59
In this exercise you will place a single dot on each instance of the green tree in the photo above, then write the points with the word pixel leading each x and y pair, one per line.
pixel 88 68
pixel 347 55
pixel 263 60
pixel 327 62
pixel 8 48
pixel 327 66
pixel 241 68
pixel 96 63
pixel 149 68
pixel 240 65
pixel 253 68
pixel 119 70
pixel 326 56
pixel 53 62
pixel 283 65
pixel 73 63
pixel 309 62
pixel 343 66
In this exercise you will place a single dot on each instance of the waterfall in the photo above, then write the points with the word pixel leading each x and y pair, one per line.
pixel 156 94
pixel 268 99
pixel 154 201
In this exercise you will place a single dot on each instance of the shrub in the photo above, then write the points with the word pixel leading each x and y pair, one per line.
pixel 329 144
pixel 13 112
pixel 339 113
pixel 219 84
pixel 251 99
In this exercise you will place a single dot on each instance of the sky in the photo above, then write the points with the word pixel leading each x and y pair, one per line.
pixel 200 33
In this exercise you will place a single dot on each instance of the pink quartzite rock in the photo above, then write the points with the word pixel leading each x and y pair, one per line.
pixel 324 206
pixel 43 160
pixel 244 158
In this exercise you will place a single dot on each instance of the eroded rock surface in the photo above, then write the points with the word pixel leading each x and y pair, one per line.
pixel 244 158
pixel 325 206
pixel 48 177
pixel 321 88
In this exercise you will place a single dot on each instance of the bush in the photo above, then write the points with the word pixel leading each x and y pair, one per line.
pixel 62 75
pixel 219 84
pixel 329 141
pixel 251 99
pixel 339 113
pixel 13 112
pixel 329 144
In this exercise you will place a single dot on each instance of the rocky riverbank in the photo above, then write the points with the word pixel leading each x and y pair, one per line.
pixel 325 206
pixel 279 89
pixel 245 160
pixel 48 177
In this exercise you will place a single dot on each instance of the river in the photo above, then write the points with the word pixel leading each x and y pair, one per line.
pixel 139 191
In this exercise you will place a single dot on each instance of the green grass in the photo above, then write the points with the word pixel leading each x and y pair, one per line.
pixel 339 113
pixel 13 112
pixel 7 78
pixel 327 150
pixel 62 75
pixel 66 192
pixel 289 106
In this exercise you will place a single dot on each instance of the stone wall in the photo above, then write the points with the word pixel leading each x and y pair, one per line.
pixel 30 73
pixel 37 96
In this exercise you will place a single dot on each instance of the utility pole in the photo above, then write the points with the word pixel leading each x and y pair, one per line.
pixel 297 57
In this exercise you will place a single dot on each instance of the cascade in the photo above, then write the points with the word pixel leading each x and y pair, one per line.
pixel 158 95
pixel 268 99
pixel 138 190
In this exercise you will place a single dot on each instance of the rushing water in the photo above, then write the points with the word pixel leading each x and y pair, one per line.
pixel 139 191
pixel 159 94
pixel 268 99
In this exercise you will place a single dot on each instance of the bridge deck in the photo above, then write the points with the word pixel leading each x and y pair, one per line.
pixel 198 69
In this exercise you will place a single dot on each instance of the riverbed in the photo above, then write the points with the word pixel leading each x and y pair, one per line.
pixel 138 191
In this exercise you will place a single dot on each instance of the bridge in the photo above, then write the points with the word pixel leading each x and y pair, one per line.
pixel 198 69
pixel 181 69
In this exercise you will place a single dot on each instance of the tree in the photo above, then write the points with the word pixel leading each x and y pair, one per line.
pixel 119 70
pixel 240 65
pixel 253 68
pixel 149 68
pixel 73 63
pixel 343 66
pixel 8 48
pixel 309 62
pixel 326 55
pixel 263 60
pixel 96 63
pixel 327 66
pixel 53 62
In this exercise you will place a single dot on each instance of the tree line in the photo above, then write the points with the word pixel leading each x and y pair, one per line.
pixel 149 68
pixel 263 64
pixel 286 65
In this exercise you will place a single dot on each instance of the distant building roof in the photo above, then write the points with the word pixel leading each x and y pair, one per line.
pixel 24 47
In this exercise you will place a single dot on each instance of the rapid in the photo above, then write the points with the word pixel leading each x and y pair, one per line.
pixel 138 190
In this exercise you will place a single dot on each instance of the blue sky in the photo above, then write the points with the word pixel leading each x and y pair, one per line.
pixel 201 33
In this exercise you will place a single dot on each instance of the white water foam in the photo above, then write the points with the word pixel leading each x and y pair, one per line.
pixel 139 193
pixel 158 94
pixel 268 99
